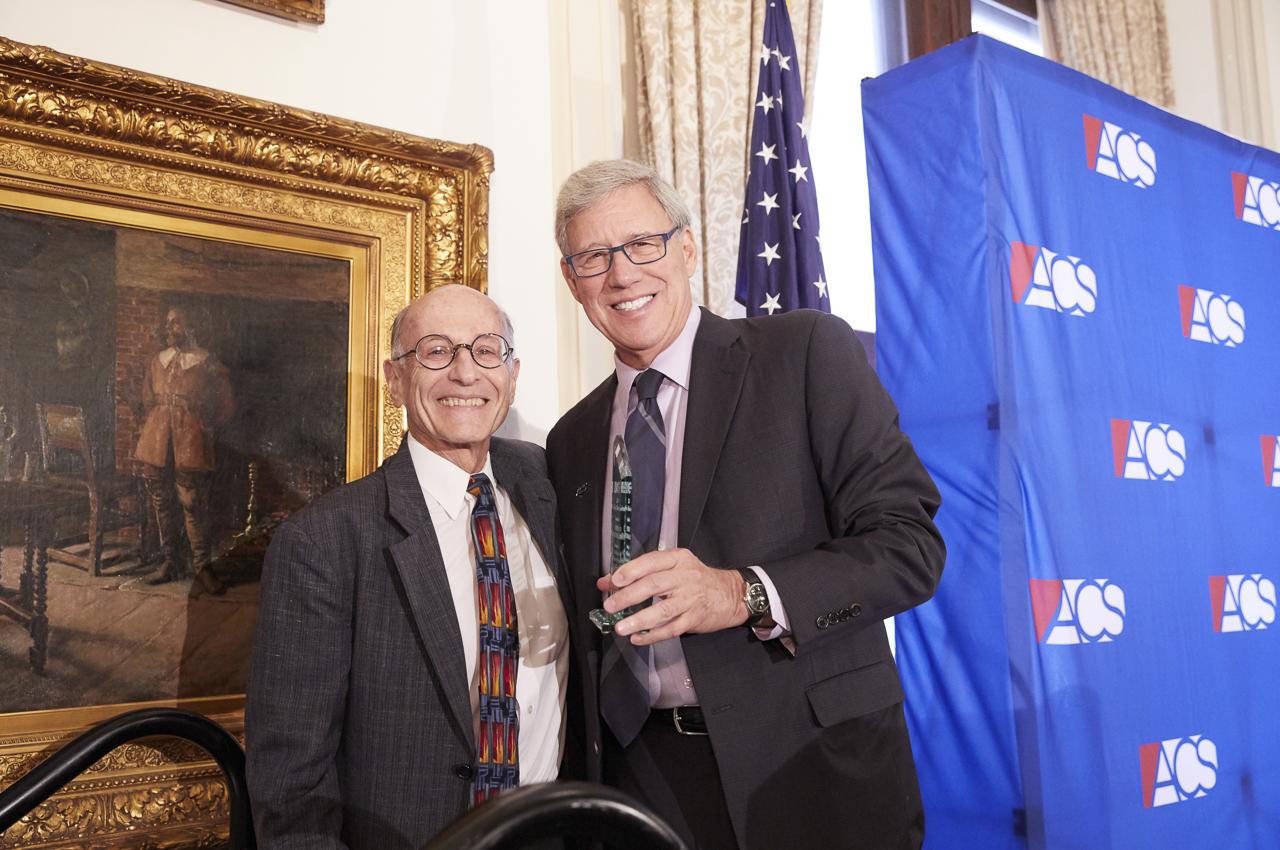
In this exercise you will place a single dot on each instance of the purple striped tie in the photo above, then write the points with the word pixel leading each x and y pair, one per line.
pixel 624 671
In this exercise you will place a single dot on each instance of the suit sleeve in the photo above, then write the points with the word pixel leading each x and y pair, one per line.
pixel 885 555
pixel 296 695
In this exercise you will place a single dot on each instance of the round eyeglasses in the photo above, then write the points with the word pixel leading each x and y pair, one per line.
pixel 436 351
pixel 641 250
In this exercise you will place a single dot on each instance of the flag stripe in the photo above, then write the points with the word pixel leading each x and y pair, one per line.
pixel 779 251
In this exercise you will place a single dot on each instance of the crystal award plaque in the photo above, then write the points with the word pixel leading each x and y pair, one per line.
pixel 620 551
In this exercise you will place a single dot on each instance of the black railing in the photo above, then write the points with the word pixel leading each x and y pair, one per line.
pixel 538 812
pixel 509 822
pixel 73 759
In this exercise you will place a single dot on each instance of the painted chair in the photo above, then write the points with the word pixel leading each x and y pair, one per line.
pixel 111 501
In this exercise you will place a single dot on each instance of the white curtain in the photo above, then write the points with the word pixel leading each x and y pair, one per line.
pixel 1122 42
pixel 697 64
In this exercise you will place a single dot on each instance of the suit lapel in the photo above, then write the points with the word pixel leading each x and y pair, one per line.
pixel 582 510
pixel 715 384
pixel 426 587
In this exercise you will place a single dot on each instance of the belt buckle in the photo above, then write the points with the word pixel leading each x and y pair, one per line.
pixel 675 716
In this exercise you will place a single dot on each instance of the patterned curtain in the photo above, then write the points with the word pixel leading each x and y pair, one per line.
pixel 1122 42
pixel 697 62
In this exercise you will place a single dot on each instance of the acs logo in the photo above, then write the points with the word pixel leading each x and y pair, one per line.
pixel 1073 611
pixel 1257 200
pixel 1043 278
pixel 1212 317
pixel 1119 153
pixel 1271 459
pixel 1177 769
pixel 1147 451
pixel 1242 603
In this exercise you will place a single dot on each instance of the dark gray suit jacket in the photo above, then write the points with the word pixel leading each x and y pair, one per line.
pixel 793 461
pixel 358 717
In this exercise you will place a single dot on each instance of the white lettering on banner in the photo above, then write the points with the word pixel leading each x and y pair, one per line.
pixel 1177 769
pixel 1212 317
pixel 1257 200
pixel 1118 153
pixel 1147 451
pixel 1076 611
pixel 1242 603
pixel 1043 278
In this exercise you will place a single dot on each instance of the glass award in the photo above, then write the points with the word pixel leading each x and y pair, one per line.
pixel 620 550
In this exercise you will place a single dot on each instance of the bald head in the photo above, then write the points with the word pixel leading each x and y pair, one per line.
pixel 452 409
pixel 449 291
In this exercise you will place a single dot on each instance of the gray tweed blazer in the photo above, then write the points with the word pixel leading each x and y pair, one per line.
pixel 358 717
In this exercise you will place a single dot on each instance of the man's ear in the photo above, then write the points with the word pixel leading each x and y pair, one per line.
pixel 689 251
pixel 571 280
pixel 391 371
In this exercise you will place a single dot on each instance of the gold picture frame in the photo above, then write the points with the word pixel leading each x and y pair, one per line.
pixel 311 11
pixel 100 145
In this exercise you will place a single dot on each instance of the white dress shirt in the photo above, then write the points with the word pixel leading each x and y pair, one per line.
pixel 544 636
pixel 670 684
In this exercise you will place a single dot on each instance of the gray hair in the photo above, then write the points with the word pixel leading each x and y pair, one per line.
pixel 590 184
pixel 508 330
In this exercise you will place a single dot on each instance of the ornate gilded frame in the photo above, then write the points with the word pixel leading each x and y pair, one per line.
pixel 311 11
pixel 407 212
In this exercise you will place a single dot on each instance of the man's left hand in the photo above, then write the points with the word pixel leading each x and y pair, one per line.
pixel 688 596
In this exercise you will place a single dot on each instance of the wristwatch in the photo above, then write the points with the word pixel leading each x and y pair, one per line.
pixel 756 598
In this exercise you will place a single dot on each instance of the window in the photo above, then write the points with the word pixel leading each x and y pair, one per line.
pixel 1003 22
pixel 858 40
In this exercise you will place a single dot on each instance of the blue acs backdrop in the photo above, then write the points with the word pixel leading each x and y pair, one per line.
pixel 1078 313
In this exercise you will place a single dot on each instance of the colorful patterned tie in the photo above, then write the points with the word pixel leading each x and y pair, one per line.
pixel 624 670
pixel 497 761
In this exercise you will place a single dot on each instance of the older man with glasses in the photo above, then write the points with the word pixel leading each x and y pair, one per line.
pixel 412 649
pixel 782 516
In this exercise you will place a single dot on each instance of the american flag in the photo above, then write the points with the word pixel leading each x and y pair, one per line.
pixel 779 255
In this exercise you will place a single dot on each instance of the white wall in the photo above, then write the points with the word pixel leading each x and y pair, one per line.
pixel 848 51
pixel 1271 38
pixel 475 72
pixel 538 82
pixel 1194 55
pixel 1226 65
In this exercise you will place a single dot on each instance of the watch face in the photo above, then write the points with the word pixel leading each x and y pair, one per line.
pixel 757 599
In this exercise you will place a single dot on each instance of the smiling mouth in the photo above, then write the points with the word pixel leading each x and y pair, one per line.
pixel 633 305
pixel 463 402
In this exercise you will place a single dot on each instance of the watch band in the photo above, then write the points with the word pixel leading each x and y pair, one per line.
pixel 756 599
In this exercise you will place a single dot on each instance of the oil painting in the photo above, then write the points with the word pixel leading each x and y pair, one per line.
pixel 184 395
pixel 196 293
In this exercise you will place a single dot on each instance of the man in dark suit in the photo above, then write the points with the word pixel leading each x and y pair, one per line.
pixel 411 655
pixel 755 704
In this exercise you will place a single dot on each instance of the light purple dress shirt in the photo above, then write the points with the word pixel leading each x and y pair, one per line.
pixel 670 684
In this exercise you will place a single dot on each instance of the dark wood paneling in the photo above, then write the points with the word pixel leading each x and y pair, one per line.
pixel 936 23
pixel 1025 7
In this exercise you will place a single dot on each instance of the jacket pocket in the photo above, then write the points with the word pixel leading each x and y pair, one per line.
pixel 854 693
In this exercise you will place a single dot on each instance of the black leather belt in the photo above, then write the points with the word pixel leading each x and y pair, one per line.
pixel 687 719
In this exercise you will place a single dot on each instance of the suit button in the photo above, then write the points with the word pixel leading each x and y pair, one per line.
pixel 823 622
pixel 463 771
pixel 856 610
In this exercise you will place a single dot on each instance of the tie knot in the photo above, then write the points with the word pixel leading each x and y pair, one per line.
pixel 479 484
pixel 647 383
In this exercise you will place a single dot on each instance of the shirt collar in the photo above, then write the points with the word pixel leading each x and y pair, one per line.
pixel 674 362
pixel 443 481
